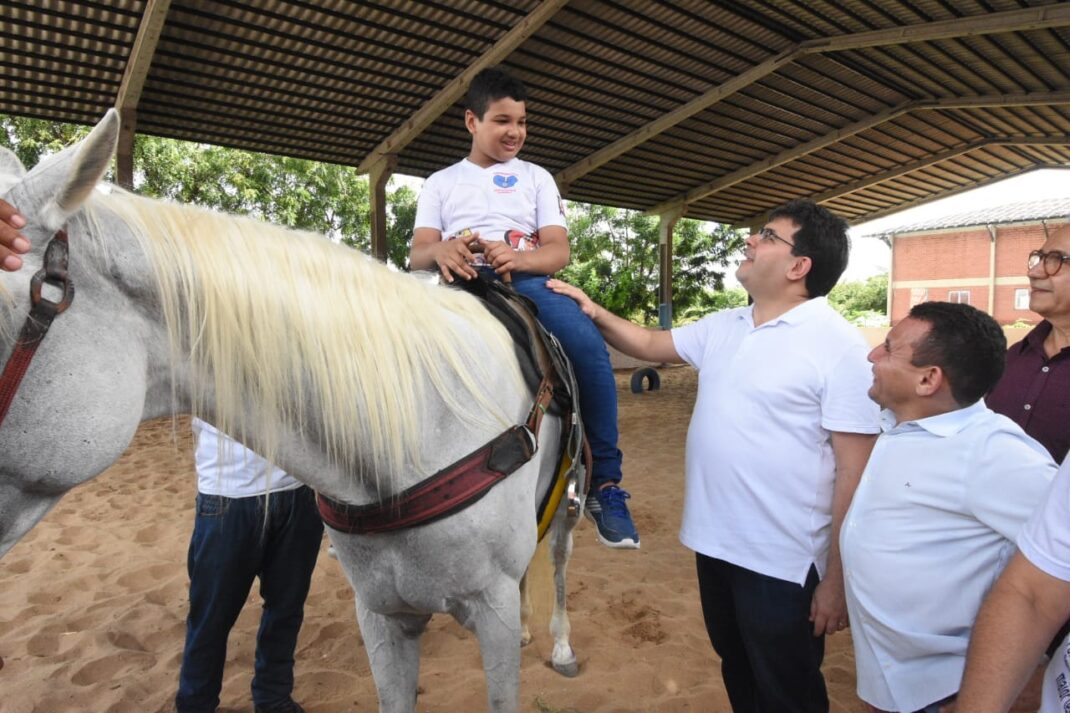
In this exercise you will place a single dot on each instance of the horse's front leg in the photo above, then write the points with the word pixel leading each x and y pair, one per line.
pixel 526 609
pixel 19 511
pixel 495 618
pixel 563 657
pixel 393 646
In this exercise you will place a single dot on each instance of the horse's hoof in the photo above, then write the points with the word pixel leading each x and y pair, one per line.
pixel 525 639
pixel 568 670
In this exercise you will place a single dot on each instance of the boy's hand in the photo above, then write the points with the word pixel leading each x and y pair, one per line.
pixel 12 242
pixel 454 257
pixel 587 305
pixel 502 257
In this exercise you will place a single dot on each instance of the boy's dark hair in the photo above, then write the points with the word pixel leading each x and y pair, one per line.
pixel 822 237
pixel 965 343
pixel 490 85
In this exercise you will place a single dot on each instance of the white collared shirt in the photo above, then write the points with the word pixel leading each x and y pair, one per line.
pixel 1045 541
pixel 226 467
pixel 759 463
pixel 930 527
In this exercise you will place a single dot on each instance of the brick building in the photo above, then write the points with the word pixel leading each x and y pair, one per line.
pixel 977 257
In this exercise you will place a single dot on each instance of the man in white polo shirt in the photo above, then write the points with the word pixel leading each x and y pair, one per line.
pixel 933 521
pixel 780 434
pixel 1027 605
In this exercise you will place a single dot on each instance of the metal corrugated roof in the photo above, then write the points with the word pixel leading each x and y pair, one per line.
pixel 721 109
pixel 1057 209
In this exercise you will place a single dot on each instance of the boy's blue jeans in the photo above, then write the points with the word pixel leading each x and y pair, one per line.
pixel 231 545
pixel 585 348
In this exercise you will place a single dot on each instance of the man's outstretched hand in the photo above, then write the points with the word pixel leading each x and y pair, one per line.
pixel 12 242
pixel 587 305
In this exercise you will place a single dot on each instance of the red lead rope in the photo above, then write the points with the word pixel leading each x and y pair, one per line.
pixel 42 312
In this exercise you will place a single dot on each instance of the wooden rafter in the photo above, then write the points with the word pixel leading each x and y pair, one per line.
pixel 999 22
pixel 903 169
pixel 449 94
pixel 722 182
pixel 129 94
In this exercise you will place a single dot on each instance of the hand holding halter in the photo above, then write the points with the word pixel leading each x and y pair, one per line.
pixel 12 242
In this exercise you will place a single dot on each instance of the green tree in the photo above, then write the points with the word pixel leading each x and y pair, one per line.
pixel 326 198
pixel 862 302
pixel 615 257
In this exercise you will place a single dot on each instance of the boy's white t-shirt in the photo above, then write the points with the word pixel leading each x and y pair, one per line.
pixel 508 201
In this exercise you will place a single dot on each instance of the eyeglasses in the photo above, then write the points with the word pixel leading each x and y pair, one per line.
pixel 1053 261
pixel 769 236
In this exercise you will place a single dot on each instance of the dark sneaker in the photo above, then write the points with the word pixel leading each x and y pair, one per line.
pixel 607 509
pixel 287 706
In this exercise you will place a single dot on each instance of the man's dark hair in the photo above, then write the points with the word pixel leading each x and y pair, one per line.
pixel 822 237
pixel 965 343
pixel 490 85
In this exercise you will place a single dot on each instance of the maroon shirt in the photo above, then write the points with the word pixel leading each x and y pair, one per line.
pixel 1035 391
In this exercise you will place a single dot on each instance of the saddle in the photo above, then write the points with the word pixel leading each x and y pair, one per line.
pixel 547 371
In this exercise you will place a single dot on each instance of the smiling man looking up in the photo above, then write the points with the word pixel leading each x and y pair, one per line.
pixel 778 438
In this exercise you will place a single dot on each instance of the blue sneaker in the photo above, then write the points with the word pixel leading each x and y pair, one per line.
pixel 607 509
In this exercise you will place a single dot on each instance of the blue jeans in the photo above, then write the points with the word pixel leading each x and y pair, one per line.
pixel 232 544
pixel 759 626
pixel 586 349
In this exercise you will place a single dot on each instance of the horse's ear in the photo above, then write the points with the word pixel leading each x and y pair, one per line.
pixel 10 165
pixel 76 171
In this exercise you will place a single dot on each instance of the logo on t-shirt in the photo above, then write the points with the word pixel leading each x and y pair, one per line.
pixel 505 182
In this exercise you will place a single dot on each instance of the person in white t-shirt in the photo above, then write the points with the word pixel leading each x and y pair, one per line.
pixel 1027 605
pixel 779 436
pixel 234 543
pixel 495 214
pixel 946 490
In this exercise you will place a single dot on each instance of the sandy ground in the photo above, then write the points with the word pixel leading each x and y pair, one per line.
pixel 93 601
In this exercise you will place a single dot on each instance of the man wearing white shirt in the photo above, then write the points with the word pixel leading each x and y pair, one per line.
pixel 233 543
pixel 933 522
pixel 779 435
pixel 1028 604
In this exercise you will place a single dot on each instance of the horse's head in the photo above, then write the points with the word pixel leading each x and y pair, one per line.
pixel 83 394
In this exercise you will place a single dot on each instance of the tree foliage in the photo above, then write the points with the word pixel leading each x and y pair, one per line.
pixel 297 193
pixel 614 251
pixel 615 258
pixel 862 302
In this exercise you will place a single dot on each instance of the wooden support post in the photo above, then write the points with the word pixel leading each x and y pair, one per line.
pixel 378 175
pixel 666 223
pixel 124 154
pixel 136 72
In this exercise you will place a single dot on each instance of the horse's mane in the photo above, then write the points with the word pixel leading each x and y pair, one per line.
pixel 320 337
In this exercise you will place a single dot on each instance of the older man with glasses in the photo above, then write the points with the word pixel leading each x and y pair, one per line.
pixel 1035 388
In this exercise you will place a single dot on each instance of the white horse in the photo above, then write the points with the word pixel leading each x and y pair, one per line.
pixel 357 380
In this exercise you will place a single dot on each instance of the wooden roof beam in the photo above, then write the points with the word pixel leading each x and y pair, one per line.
pixel 997 22
pixel 1033 18
pixel 449 94
pixel 742 174
pixel 903 169
pixel 134 76
pixel 941 194
pixel 646 132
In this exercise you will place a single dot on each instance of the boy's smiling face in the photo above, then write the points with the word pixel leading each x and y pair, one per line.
pixel 499 134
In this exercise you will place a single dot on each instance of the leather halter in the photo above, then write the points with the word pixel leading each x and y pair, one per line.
pixel 42 312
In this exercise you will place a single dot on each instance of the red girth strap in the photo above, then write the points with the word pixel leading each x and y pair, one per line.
pixel 450 490
pixel 42 312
